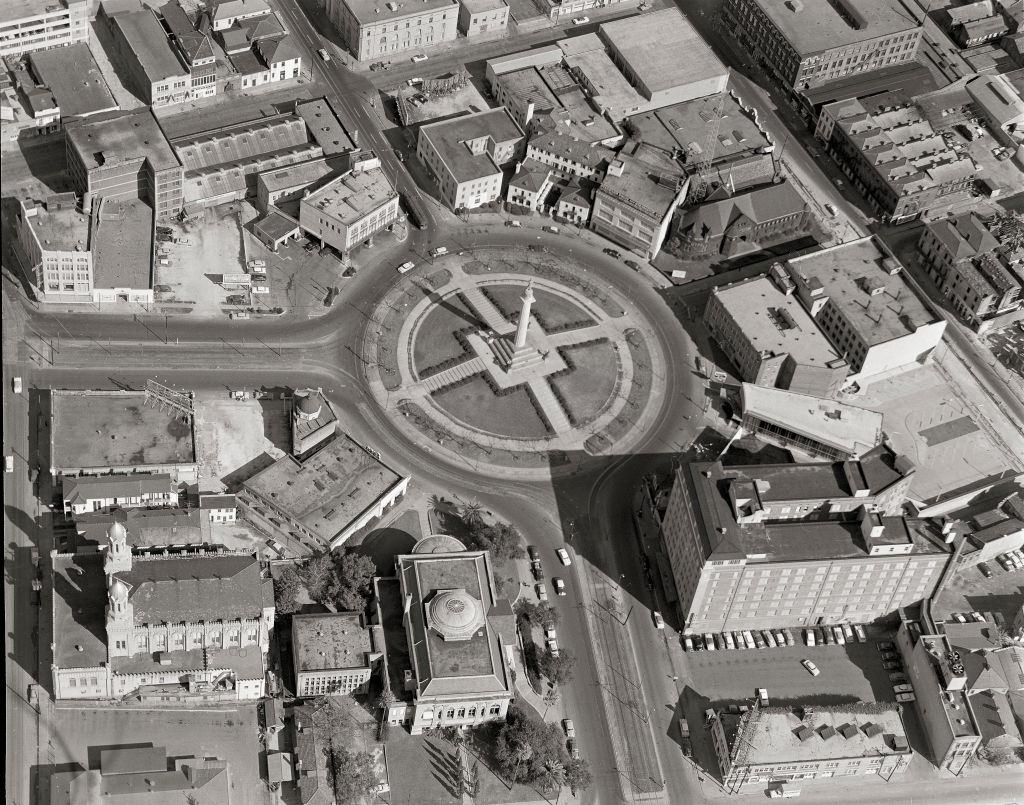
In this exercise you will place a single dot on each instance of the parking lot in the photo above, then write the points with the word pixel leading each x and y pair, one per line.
pixel 849 673
pixel 970 591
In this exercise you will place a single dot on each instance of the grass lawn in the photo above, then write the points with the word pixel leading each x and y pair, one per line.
pixel 588 388
pixel 555 313
pixel 475 405
pixel 435 341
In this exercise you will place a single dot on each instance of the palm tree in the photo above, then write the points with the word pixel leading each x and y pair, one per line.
pixel 552 775
pixel 472 514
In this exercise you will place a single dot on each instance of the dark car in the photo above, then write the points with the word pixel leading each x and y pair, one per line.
pixel 349 272
pixel 984 570
pixel 533 553
pixel 633 264
pixel 612 253
pixel 698 642
pixel 892 666
pixel 537 570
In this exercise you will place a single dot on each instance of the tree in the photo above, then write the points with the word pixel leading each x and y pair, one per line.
pixel 355 579
pixel 552 774
pixel 558 668
pixel 385 701
pixel 525 743
pixel 320 577
pixel 286 591
pixel 353 774
pixel 501 539
pixel 441 507
pixel 577 775
pixel 472 515
pixel 473 780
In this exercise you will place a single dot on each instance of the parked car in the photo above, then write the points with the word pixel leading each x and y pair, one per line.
pixel 905 697
pixel 276 547
pixel 762 695
pixel 830 638
pixel 554 230
pixel 748 639
pixel 738 637
pixel 698 642
pixel 861 635
pixel 730 643
pixel 892 666
pixel 633 264
pixel 551 641
pixel 16 385
pixel 537 569
pixel 418 58
pixel 977 617
pixel 759 641
pixel 809 638
pixel 897 677
pixel 324 55
pixel 439 251
pixel 848 633
pixel 569 727
pixel 533 553
pixel 542 592
pixel 687 643
pixel 780 638
pixel 563 557
pixel 580 20
pixel 406 267
pixel 709 641
pixel 811 667
pixel 573 748
pixel 769 638
pixel 903 688
pixel 515 224
pixel 985 570
pixel 831 209
pixel 659 622
pixel 959 618
pixel 412 82
pixel 840 637
pixel 885 645
pixel 612 253
pixel 559 586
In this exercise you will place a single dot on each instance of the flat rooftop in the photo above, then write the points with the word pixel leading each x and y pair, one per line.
pixel 60 230
pixel 149 43
pixel 770 733
pixel 105 139
pixel 638 185
pixel 449 137
pixel 123 245
pixel 612 91
pixel 11 10
pixel 368 12
pixel 811 26
pixel 686 125
pixel 328 490
pixel 325 127
pixel 843 426
pixel 651 45
pixel 856 277
pixel 75 80
pixel 353 195
pixel 93 430
pixel 79 611
pixel 289 176
pixel 330 641
pixel 775 323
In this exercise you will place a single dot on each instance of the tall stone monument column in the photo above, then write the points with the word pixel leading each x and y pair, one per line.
pixel 524 317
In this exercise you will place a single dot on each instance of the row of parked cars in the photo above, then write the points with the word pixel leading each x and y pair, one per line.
pixel 893 664
pixel 774 638
pixel 1011 560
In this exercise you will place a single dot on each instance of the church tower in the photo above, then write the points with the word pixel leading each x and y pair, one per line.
pixel 119 554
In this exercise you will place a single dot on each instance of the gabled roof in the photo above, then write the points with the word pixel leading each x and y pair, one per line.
pixel 93 487
pixel 766 204
pixel 532 176
pixel 275 51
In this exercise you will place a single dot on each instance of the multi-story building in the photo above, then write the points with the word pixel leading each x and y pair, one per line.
pixel 980 277
pixel 334 653
pixel 217 508
pixel 313 421
pixel 807 43
pixel 323 500
pixel 373 29
pixel 773 746
pixel 142 49
pixel 456 669
pixel 166 625
pixel 288 183
pixel 635 203
pixel 93 493
pixel 939 677
pixel 857 294
pixel 772 339
pixel 74 78
pixel 31 25
pixel 745 223
pixel 891 153
pixel 478 17
pixel 801 544
pixel 54 238
pixel 125 155
pixel 193 48
pixel 466 154
pixel 348 211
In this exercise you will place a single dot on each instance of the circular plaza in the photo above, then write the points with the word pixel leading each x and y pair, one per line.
pixel 513 359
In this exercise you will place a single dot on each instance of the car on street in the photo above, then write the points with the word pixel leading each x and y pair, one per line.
pixel 542 592
pixel 414 81
pixel 984 570
pixel 659 622
pixel 892 666
pixel 905 697
pixel 563 557
pixel 537 569
pixel 569 727
pixel 515 224
pixel 418 58
pixel 904 688
pixel 406 267
pixel 554 230
pixel 612 253
pixel 559 586
pixel 573 748
pixel 633 264
pixel 580 20
pixel 16 385
pixel 439 251
pixel 812 669
pixel 831 210
pixel 8 463
pixel 323 54
pixel 533 553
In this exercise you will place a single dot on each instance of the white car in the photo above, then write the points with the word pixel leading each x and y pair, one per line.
pixel 559 586
pixel 905 697
pixel 837 631
pixel 414 81
pixel 406 267
pixel 439 251
pixel 418 58
pixel 831 209
pixel 16 383
pixel 709 641
pixel 580 20
pixel 811 667
pixel 730 644
pixel 552 646
pixel 859 631
pixel 8 463
pixel 563 557
pixel 542 592
pixel 569 727
pixel 659 622
pixel 323 54
pixel 809 637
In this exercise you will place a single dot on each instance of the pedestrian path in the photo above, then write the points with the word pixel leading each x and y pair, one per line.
pixel 549 404
pixel 485 309
pixel 473 366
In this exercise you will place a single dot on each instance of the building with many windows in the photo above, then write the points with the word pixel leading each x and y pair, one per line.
pixel 93 493
pixel 807 43
pixel 768 747
pixel 334 653
pixel 193 48
pixel 30 25
pixel 458 637
pixel 981 278
pixel 54 237
pixel 467 155
pixel 772 339
pixel 373 29
pixel 478 17
pixel 858 296
pixel 797 544
pixel 348 211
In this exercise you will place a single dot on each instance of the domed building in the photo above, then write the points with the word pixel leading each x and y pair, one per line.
pixel 313 421
pixel 459 637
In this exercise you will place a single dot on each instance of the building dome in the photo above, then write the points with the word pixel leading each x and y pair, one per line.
pixel 117 532
pixel 308 404
pixel 438 543
pixel 455 614
pixel 118 590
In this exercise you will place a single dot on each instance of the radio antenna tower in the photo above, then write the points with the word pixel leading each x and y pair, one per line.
pixel 168 399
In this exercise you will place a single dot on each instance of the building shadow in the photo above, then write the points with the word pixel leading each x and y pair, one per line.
pixel 445 766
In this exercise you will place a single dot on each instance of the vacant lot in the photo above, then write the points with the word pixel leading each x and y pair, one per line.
pixel 116 429
pixel 435 341
pixel 475 405
pixel 231 433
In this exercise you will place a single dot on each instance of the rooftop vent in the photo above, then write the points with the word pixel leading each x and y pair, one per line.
pixel 848 731
pixel 871 730
pixel 804 733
